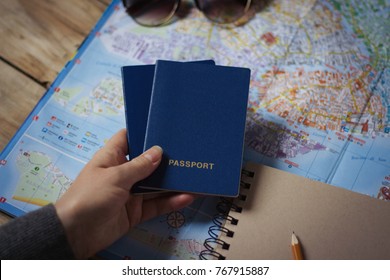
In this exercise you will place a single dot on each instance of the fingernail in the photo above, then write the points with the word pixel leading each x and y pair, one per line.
pixel 153 154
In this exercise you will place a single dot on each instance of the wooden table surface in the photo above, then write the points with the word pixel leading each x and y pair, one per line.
pixel 37 38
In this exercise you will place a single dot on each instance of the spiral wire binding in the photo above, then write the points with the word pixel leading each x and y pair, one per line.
pixel 224 206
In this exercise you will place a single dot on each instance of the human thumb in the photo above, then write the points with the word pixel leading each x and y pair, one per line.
pixel 141 167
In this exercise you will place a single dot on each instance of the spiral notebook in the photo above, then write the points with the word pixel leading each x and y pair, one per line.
pixel 330 222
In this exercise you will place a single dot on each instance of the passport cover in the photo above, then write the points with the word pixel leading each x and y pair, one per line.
pixel 197 115
pixel 137 82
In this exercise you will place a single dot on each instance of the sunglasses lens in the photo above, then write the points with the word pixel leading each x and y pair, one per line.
pixel 223 11
pixel 152 12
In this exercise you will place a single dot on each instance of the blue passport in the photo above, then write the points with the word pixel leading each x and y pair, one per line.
pixel 197 115
pixel 137 82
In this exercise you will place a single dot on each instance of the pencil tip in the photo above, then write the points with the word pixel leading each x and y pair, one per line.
pixel 294 239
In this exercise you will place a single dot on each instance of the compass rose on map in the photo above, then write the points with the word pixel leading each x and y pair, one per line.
pixel 176 219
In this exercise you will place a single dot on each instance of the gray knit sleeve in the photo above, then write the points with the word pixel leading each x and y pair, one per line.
pixel 36 235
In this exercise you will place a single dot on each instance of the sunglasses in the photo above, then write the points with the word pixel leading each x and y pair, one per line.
pixel 159 12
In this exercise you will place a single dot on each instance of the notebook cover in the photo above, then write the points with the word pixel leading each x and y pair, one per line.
pixel 330 222
pixel 137 82
pixel 197 115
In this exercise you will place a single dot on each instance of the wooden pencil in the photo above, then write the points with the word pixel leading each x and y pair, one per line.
pixel 296 247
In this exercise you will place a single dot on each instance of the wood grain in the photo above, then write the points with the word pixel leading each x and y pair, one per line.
pixel 39 37
pixel 18 95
